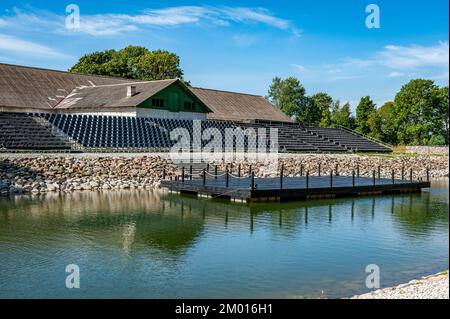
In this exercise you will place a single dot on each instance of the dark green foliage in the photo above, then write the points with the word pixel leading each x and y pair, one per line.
pixel 132 62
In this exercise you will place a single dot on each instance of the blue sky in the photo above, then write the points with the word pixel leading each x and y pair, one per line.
pixel 241 46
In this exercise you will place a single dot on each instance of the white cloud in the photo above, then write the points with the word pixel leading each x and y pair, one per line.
pixel 3 23
pixel 396 74
pixel 15 45
pixel 111 24
pixel 414 56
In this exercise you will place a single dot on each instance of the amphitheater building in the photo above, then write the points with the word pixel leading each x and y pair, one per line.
pixel 50 110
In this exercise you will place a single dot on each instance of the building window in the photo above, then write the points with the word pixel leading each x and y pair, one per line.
pixel 158 102
pixel 189 105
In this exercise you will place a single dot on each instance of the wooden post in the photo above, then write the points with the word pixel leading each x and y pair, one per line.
pixel 379 172
pixel 410 175
pixel 281 176
pixel 353 178
pixel 239 170
pixel 231 168
pixel 428 174
pixel 357 171
pixel 307 179
pixel 253 180
pixel 204 176
pixel 336 169
pixel 319 170
pixel 164 173
pixel 331 178
pixel 301 169
pixel 215 171
pixel 393 177
pixel 182 174
pixel 227 181
pixel 373 178
pixel 403 172
pixel 190 172
pixel 250 170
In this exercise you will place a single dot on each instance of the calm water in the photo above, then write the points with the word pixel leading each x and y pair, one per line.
pixel 151 244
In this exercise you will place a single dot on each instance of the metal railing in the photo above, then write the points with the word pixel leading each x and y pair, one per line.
pixel 373 139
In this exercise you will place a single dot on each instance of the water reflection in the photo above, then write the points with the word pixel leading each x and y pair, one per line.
pixel 299 247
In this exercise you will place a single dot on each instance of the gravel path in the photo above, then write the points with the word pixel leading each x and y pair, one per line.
pixel 431 287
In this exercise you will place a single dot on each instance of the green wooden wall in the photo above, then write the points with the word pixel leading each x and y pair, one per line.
pixel 174 97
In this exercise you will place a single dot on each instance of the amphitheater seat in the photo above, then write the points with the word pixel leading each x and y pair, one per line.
pixel 20 131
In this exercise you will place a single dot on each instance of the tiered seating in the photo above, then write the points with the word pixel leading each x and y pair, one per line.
pixel 21 131
pixel 121 133
pixel 347 139
pixel 294 137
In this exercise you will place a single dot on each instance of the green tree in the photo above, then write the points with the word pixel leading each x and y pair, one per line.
pixel 342 115
pixel 416 105
pixel 363 111
pixel 289 96
pixel 322 104
pixel 274 92
pixel 387 128
pixel 442 116
pixel 132 62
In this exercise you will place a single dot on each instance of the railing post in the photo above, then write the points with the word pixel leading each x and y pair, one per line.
pixel 373 178
pixel 319 170
pixel 190 172
pixel 393 177
pixel 204 176
pixel 207 167
pixel 250 170
pixel 336 169
pixel 357 171
pixel 301 169
pixel 307 179
pixel 281 176
pixel 182 174
pixel 403 172
pixel 227 178
pixel 353 178
pixel 379 172
pixel 331 178
pixel 239 170
pixel 428 174
pixel 215 171
pixel 164 173
pixel 410 175
pixel 253 181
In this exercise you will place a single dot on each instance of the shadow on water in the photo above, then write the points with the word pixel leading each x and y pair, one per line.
pixel 312 245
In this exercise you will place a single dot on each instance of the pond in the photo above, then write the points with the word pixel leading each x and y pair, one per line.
pixel 151 244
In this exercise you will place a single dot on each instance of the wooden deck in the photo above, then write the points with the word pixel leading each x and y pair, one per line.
pixel 293 188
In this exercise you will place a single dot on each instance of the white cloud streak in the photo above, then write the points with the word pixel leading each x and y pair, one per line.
pixel 18 46
pixel 113 24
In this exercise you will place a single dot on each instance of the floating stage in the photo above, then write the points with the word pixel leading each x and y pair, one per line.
pixel 248 189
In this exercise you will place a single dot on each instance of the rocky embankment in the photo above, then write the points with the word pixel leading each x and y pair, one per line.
pixel 431 287
pixel 41 174
pixel 297 164
pixel 66 174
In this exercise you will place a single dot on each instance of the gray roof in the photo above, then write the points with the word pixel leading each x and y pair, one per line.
pixel 34 89
pixel 239 106
pixel 111 96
